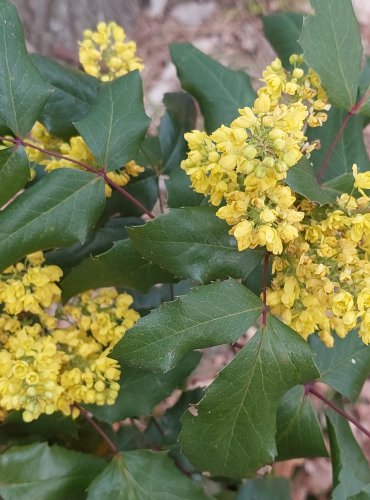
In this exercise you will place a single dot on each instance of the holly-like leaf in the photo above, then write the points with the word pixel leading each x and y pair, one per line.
pixel 179 192
pixel 141 390
pixel 179 118
pixel 233 432
pixel 23 93
pixel 283 31
pixel 121 266
pixel 345 366
pixel 302 180
pixel 73 93
pixel 116 123
pixel 363 495
pixel 350 468
pixel 56 211
pixel 209 315
pixel 331 44
pixel 298 430
pixel 350 148
pixel 277 488
pixel 193 243
pixel 365 88
pixel 47 473
pixel 219 91
pixel 14 172
pixel 46 426
pixel 143 475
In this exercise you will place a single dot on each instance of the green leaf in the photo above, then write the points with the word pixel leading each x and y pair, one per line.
pixel 116 124
pixel 141 390
pixel 179 192
pixel 179 118
pixel 298 430
pixel 56 211
pixel 345 366
pixel 365 89
pixel 209 315
pixel 332 46
pixel 350 468
pixel 14 172
pixel 283 31
pixel 363 495
pixel 46 426
pixel 233 433
pixel 143 475
pixel 23 93
pixel 277 488
pixel 73 93
pixel 301 179
pixel 121 266
pixel 350 148
pixel 219 91
pixel 38 471
pixel 193 243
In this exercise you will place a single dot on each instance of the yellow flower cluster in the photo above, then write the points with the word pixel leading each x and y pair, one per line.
pixel 54 356
pixel 243 165
pixel 105 54
pixel 76 149
pixel 322 281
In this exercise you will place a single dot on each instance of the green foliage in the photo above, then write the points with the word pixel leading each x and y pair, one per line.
pixel 233 431
pixel 332 46
pixel 265 489
pixel 14 172
pixel 218 90
pixel 116 123
pixel 283 31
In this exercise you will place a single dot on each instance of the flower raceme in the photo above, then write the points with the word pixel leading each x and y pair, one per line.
pixel 243 166
pixel 321 268
pixel 53 356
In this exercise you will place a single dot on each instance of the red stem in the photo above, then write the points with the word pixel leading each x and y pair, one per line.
pixel 311 390
pixel 264 287
pixel 100 172
pixel 90 418
pixel 353 111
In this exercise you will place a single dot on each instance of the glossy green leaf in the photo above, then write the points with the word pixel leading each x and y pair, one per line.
pixel 277 488
pixel 46 426
pixel 363 495
pixel 121 266
pixel 350 468
pixel 141 390
pixel 283 31
pixel 193 243
pixel 73 93
pixel 233 431
pixel 219 91
pixel 365 88
pixel 38 471
pixel 23 93
pixel 179 192
pixel 179 118
pixel 298 430
pixel 350 148
pixel 301 179
pixel 57 211
pixel 332 46
pixel 116 123
pixel 345 366
pixel 14 172
pixel 143 475
pixel 209 315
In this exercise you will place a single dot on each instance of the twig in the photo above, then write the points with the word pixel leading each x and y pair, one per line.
pixel 90 418
pixel 264 287
pixel 310 389
pixel 353 111
pixel 97 171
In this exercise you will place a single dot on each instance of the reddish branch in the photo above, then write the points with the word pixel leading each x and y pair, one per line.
pixel 97 171
pixel 310 389
pixel 264 287
pixel 90 418
pixel 353 111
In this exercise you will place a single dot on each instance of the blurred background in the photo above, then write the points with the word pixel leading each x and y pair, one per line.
pixel 231 32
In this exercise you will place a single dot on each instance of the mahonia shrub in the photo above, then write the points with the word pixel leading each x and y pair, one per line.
pixel 125 254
